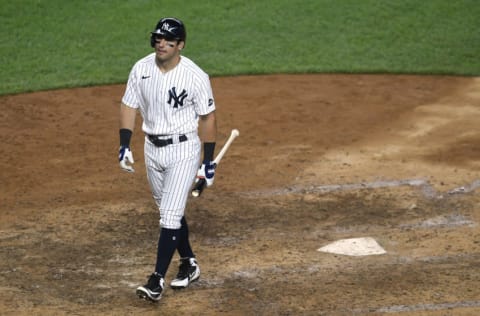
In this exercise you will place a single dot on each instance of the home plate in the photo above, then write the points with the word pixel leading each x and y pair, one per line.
pixel 364 246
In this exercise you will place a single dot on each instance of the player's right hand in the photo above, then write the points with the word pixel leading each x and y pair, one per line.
pixel 125 157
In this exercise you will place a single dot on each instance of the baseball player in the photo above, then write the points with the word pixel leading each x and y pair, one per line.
pixel 175 99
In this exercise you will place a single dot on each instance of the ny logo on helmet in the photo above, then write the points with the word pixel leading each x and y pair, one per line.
pixel 168 28
pixel 178 99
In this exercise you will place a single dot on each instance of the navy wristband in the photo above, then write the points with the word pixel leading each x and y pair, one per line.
pixel 208 150
pixel 125 135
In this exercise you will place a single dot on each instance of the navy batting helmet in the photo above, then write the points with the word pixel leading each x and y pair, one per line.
pixel 170 29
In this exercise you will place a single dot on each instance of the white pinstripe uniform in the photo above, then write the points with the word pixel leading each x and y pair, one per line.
pixel 170 104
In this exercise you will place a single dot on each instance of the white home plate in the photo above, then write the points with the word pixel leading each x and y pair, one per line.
pixel 365 246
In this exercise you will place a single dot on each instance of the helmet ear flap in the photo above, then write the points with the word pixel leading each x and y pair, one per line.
pixel 152 40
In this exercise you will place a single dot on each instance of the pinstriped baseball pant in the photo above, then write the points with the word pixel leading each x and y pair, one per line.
pixel 171 171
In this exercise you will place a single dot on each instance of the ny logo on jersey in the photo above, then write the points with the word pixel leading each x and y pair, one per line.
pixel 178 99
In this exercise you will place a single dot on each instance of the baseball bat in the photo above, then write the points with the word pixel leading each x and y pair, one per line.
pixel 201 183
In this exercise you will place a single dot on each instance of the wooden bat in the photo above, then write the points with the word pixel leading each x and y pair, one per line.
pixel 201 183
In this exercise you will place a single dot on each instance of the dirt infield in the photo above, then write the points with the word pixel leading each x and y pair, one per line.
pixel 319 158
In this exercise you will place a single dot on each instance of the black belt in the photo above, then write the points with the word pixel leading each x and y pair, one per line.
pixel 159 142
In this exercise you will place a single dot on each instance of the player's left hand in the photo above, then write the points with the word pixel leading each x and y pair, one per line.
pixel 207 172
pixel 125 156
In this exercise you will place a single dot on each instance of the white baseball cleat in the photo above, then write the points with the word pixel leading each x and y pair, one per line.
pixel 188 272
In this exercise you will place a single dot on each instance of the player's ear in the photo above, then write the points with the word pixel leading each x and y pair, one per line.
pixel 181 45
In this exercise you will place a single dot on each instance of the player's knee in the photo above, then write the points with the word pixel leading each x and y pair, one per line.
pixel 171 220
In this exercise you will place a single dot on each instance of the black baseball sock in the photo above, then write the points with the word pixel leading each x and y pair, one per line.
pixel 184 248
pixel 167 243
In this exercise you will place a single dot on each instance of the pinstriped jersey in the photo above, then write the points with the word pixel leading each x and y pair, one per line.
pixel 170 102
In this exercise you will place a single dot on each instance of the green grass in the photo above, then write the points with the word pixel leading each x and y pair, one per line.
pixel 57 43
